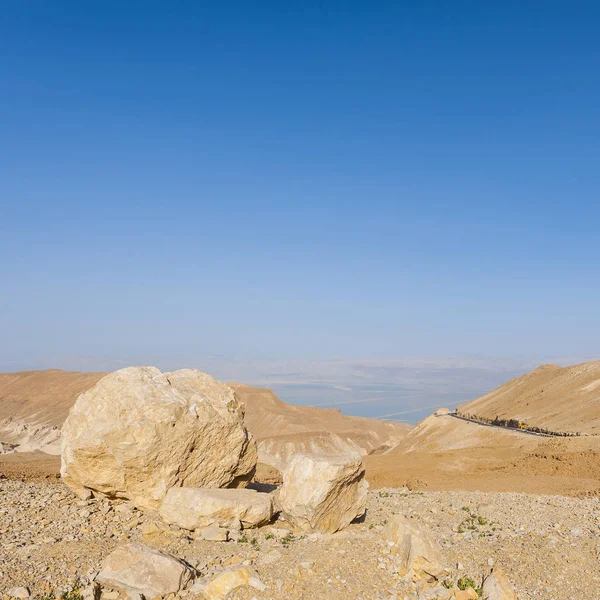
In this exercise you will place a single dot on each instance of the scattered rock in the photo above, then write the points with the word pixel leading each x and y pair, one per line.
pixel 415 548
pixel 138 569
pixel 196 508
pixel 467 594
pixel 139 432
pixel 269 558
pixel 498 587
pixel 323 492
pixel 19 592
pixel 228 580
pixel 215 534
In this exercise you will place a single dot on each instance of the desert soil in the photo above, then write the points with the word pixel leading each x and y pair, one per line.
pixel 548 545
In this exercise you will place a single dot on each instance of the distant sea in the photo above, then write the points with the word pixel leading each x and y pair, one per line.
pixel 390 402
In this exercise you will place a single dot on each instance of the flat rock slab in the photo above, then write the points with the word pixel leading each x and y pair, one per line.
pixel 138 569
pixel 198 508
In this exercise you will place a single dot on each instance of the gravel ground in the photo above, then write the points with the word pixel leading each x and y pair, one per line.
pixel 549 546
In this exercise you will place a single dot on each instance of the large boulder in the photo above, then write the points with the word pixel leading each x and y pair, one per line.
pixel 417 553
pixel 195 508
pixel 323 492
pixel 138 569
pixel 139 432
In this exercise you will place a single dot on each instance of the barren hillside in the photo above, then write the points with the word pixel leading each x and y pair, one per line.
pixel 34 404
pixel 282 429
pixel 563 399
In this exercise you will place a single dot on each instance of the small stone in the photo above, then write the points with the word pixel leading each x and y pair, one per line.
pixel 466 594
pixel 498 587
pixel 19 592
pixel 214 534
pixel 228 580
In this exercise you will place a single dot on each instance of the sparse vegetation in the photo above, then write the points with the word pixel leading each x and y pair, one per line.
pixel 465 582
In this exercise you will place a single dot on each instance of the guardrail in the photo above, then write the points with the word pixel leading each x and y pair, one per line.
pixel 515 425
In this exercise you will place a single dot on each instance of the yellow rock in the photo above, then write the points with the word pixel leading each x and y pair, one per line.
pixel 466 594
pixel 230 579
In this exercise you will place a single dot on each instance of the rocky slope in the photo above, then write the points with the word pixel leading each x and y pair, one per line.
pixel 561 399
pixel 34 404
pixel 51 542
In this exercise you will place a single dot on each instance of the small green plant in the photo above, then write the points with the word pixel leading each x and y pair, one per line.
pixel 243 540
pixel 466 582
pixel 448 584
pixel 466 509
pixel 384 494
pixel 287 540
pixel 371 526
pixel 482 520
pixel 270 536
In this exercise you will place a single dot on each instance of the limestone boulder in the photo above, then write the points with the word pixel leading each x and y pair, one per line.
pixel 197 508
pixel 323 492
pixel 139 432
pixel 416 551
pixel 137 569
pixel 498 587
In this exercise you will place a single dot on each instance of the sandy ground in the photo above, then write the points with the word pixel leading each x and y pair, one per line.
pixel 548 469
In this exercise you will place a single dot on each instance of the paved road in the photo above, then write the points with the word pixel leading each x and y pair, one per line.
pixel 524 431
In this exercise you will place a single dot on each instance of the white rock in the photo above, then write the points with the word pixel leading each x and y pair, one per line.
pixel 19 592
pixel 215 534
pixel 498 587
pixel 139 432
pixel 269 558
pixel 228 580
pixel 323 492
pixel 137 569
pixel 196 508
pixel 417 552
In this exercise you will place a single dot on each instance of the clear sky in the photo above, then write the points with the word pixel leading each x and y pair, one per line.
pixel 284 180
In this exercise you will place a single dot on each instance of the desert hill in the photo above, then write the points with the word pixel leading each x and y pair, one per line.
pixel 34 404
pixel 446 452
pixel 282 429
pixel 560 399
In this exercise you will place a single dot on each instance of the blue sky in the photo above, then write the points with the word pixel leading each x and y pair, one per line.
pixel 298 181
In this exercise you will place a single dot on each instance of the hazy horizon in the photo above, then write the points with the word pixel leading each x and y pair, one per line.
pixel 397 389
